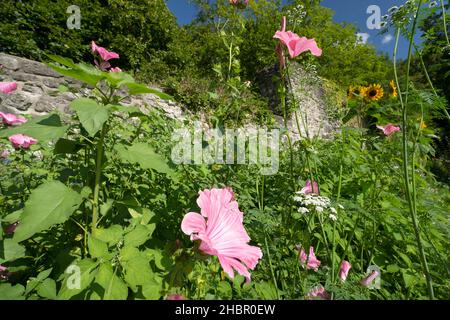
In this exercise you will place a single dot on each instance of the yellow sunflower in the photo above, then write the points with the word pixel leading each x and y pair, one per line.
pixel 355 91
pixel 393 89
pixel 374 92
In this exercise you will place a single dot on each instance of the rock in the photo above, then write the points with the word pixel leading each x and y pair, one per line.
pixel 9 62
pixel 37 68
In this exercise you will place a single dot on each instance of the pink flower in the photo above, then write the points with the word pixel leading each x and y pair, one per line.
pixel 308 188
pixel 104 54
pixel 7 87
pixel 318 292
pixel 239 3
pixel 116 69
pixel 11 119
pixel 345 268
pixel 295 44
pixel 367 281
pixel 223 233
pixel 175 296
pixel 11 228
pixel 389 129
pixel 310 261
pixel 22 141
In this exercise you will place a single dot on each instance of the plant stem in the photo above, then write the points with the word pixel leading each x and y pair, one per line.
pixel 411 199
pixel 445 22
pixel 271 267
pixel 98 173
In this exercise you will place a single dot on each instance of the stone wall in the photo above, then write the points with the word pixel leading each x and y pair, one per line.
pixel 38 94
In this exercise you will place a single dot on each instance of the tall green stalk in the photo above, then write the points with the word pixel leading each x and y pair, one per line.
pixel 411 199
pixel 445 22
pixel 98 173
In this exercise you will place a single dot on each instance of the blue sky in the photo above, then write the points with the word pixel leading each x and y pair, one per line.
pixel 353 11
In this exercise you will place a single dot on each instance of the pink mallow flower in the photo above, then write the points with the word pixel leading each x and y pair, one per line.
pixel 367 281
pixel 5 154
pixel 7 87
pixel 318 293
pixel 295 44
pixel 389 129
pixel 22 141
pixel 175 296
pixel 221 231
pixel 345 268
pixel 311 261
pixel 310 188
pixel 11 119
pixel 104 54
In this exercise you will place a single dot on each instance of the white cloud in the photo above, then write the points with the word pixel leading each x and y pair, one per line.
pixel 362 37
pixel 387 38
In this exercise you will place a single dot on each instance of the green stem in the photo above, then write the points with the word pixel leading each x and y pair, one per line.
pixel 411 199
pixel 445 22
pixel 271 267
pixel 98 173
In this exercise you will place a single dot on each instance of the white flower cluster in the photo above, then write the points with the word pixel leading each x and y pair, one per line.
pixel 296 15
pixel 402 15
pixel 313 202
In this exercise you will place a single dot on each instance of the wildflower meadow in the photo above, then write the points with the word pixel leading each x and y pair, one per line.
pixel 111 200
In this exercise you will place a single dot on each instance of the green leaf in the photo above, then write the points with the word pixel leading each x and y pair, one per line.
pixel 10 250
pixel 152 290
pixel 47 289
pixel 9 292
pixel 127 253
pixel 97 248
pixel 144 155
pixel 111 235
pixel 33 283
pixel 114 287
pixel 49 204
pixel 137 272
pixel 138 236
pixel 92 115
pixel 136 88
pixel 44 129
pixel 88 270
pixel 66 146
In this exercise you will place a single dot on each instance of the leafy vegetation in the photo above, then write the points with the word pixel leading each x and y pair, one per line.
pixel 96 210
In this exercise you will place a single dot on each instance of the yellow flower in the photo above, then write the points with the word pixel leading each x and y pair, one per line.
pixel 355 91
pixel 374 92
pixel 393 89
pixel 423 125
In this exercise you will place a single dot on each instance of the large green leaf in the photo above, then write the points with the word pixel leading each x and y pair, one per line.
pixel 111 235
pixel 10 250
pixel 45 128
pixel 114 287
pixel 49 204
pixel 139 235
pixel 92 115
pixel 97 248
pixel 87 272
pixel 136 88
pixel 144 155
pixel 47 289
pixel 9 292
pixel 137 271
